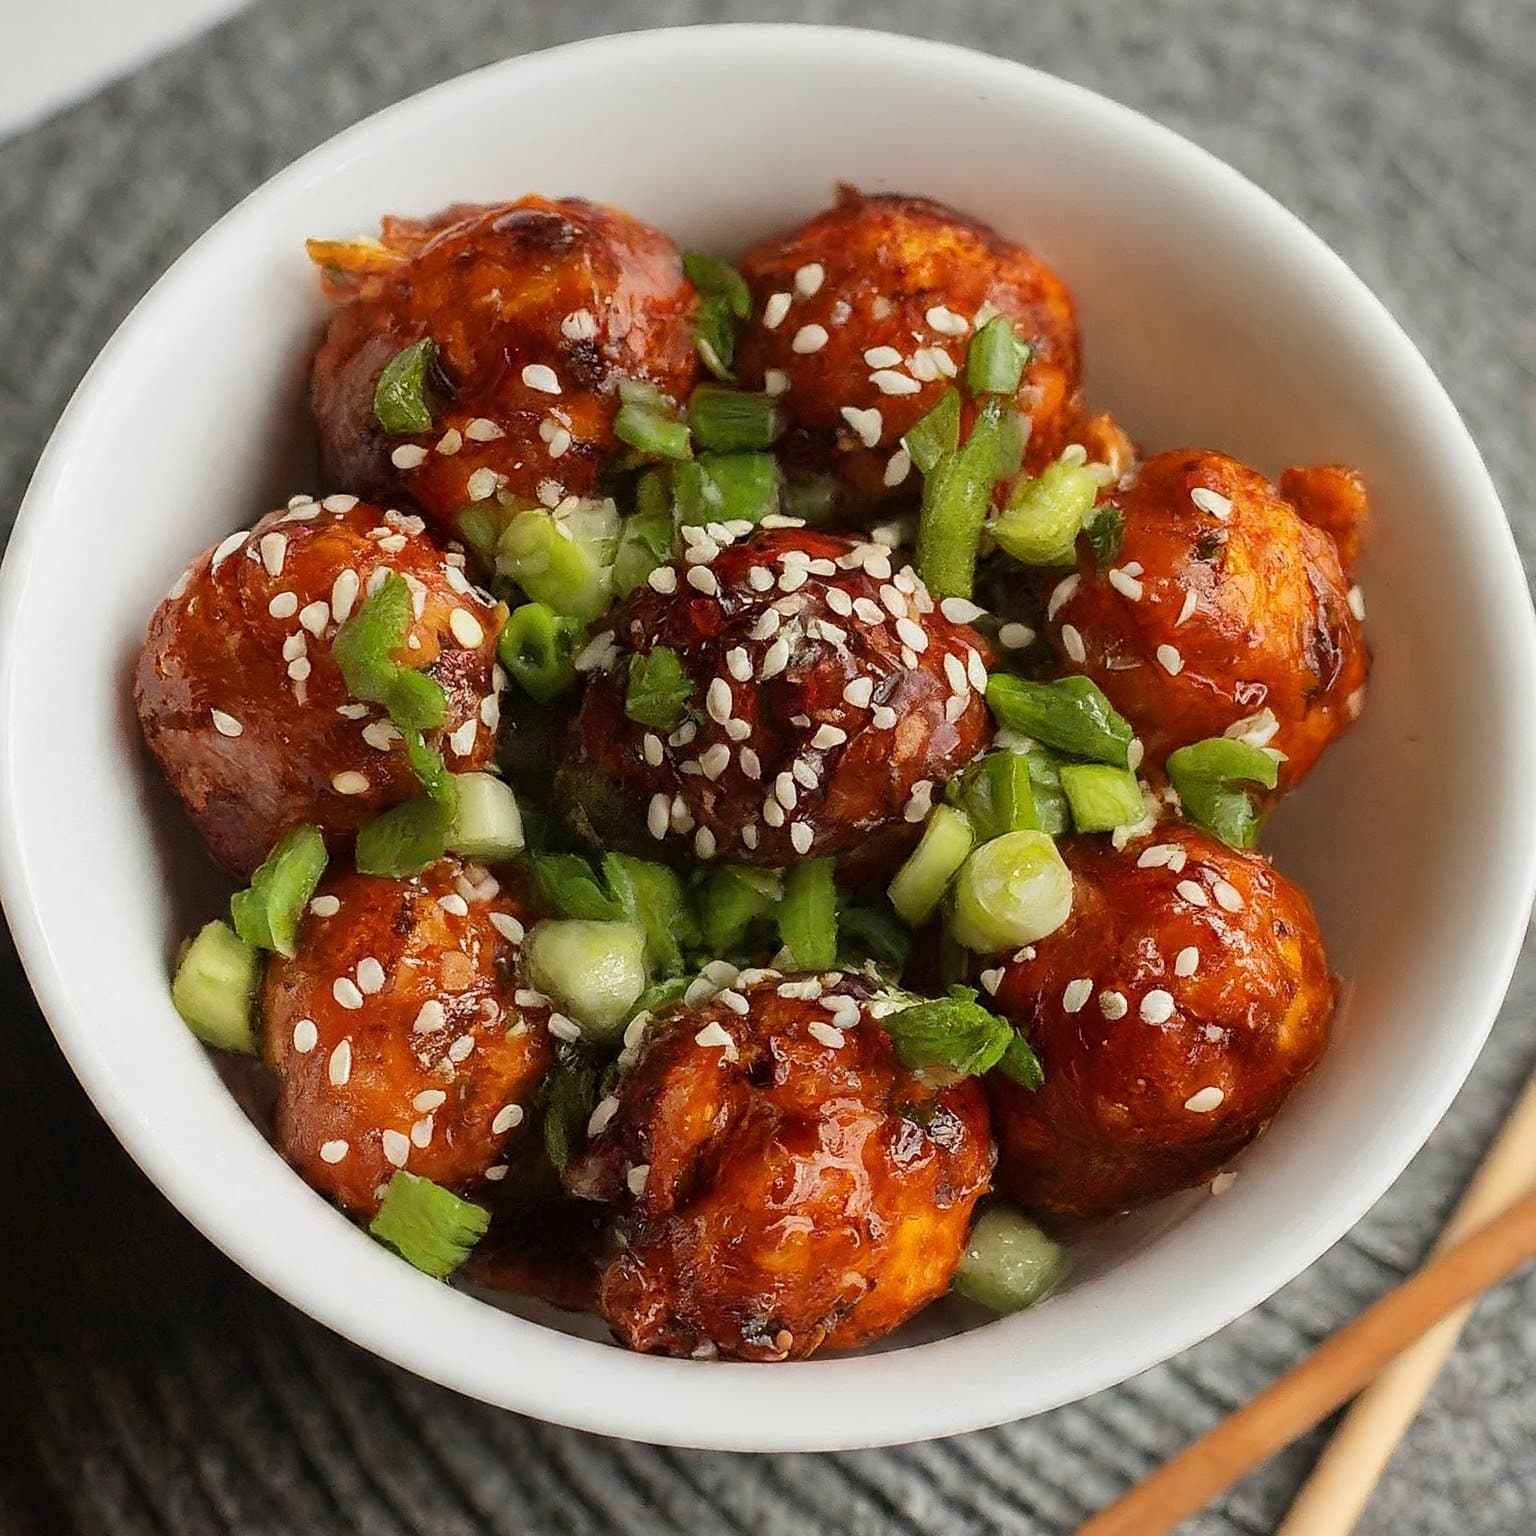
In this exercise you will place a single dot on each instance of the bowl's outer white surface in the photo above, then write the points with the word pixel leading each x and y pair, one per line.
pixel 1211 316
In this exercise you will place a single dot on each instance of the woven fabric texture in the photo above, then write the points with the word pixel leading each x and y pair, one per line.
pixel 148 1388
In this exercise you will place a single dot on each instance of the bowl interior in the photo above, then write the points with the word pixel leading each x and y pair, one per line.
pixel 1210 317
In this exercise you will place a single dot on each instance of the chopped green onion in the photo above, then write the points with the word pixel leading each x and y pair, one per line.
pixel 997 793
pixel 658 689
pixel 1020 1063
pixel 1070 714
pixel 1206 775
pixel 365 650
pixel 480 525
pixel 718 279
pixel 808 915
pixel 811 498
pixel 714 337
pixel 486 824
pixel 731 420
pixel 594 970
pixel 1044 516
pixel 567 1097
pixel 427 764
pixel 920 883
pixel 1009 1263
pixel 537 647
pixel 1102 798
pixel 400 397
pixel 935 434
pixel 954 1035
pixel 645 542
pixel 1105 528
pixel 996 359
pixel 957 495
pixel 1051 809
pixel 566 563
pixel 872 933
pixel 1011 442
pixel 572 889
pixel 652 897
pixel 403 840
pixel 734 897
pixel 427 1225
pixel 214 989
pixel 266 914
pixel 661 996
pixel 653 432
pixel 1010 892
pixel 726 487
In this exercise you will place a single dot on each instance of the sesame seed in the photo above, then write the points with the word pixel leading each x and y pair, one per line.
pixel 294 645
pixel 396 1148
pixel 775 381
pixel 867 424
pixel 775 309
pixel 224 724
pixel 883 717
pixel 889 382
pixel 225 549
pixel 955 706
pixel 315 616
pixel 1157 1006
pixel 1072 644
pixel 960 610
pixel 340 505
pixel 345 991
pixel 976 671
pixel 579 325
pixel 528 997
pixel 636 1178
pixel 1113 1005
pixel 738 664
pixel 785 791
pixel 1355 703
pixel 333 1151
pixel 793 579
pixel 541 376
pixel 1228 897
pixel 603 1113
pixel 343 595
pixel 381 735
pixel 826 1034
pixel 775 659
pixel 658 815
pixel 305 1036
pixel 808 339
pixel 283 606
pixel 717 700
pixel 704 843
pixel 1203 1102
pixel 1187 961
pixel 1127 586
pixel 462 739
pixel 1186 609
pixel 1156 856
pixel 338 1067
pixel 954 672
pixel 1192 893
pixel 946 321
pixel 801 837
pixel 828 736
pixel 1134 754
pixel 751 765
pixel 408 456
pixel 421 1132
pixel 508 1117
pixel 920 802
pixel 465 628
pixel 1015 637
pixel 480 430
pixel 714 1036
pixel 1076 993
pixel 1356 601
pixel 325 906
pixel 450 442
pixel 454 904
pixel 508 927
pixel 274 550
pixel 370 976
pixel 481 485
pixel 897 467
pixel 714 761
pixel 1211 501
pixel 909 632
pixel 663 579
pixel 1223 1181
pixel 1169 659
pixel 563 1028
pixel 1061 594
pixel 702 579
pixel 809 278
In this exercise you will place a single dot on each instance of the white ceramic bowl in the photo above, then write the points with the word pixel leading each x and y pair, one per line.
pixel 1211 316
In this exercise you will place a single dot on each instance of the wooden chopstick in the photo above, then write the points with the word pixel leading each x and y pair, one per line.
pixel 1333 1498
pixel 1331 1376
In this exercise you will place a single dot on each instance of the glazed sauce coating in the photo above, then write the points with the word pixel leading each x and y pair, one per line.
pixel 395 1035
pixel 243 705
pixel 1173 1013
pixel 821 721
pixel 538 309
pixel 1221 603
pixel 800 1188
pixel 870 306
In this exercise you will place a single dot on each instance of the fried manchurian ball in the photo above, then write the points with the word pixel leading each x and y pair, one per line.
pixel 783 1183
pixel 392 1035
pixel 242 702
pixel 1173 1012
pixel 829 698
pixel 863 315
pixel 1222 606
pixel 537 311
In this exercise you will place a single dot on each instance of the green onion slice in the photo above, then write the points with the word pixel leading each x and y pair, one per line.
pixel 1070 714
pixel 997 793
pixel 403 840
pixel 572 889
pixel 566 562
pixel 920 883
pixel 366 648
pixel 872 933
pixel 726 487
pixel 214 989
pixel 733 420
pixel 1044 516
pixel 427 1225
pixel 954 1035
pixel 1207 776
pixel 655 433
pixel 645 542
pixel 1105 528
pixel 731 899
pixel 400 396
pixel 266 914
pixel 1011 891
pixel 996 359
pixel 957 496
pixel 537 647
pixel 658 689
pixel 1009 1263
pixel 935 434
pixel 1020 1063
pixel 1101 797
pixel 652 897
pixel 808 915
pixel 719 279
pixel 595 969
pixel 567 1097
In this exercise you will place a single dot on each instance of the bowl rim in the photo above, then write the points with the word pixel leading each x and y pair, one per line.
pixel 719 1405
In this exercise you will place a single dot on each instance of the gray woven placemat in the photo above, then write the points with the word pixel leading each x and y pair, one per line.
pixel 146 1386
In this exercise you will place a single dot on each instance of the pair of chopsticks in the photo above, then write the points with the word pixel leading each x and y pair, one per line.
pixel 1490 1235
